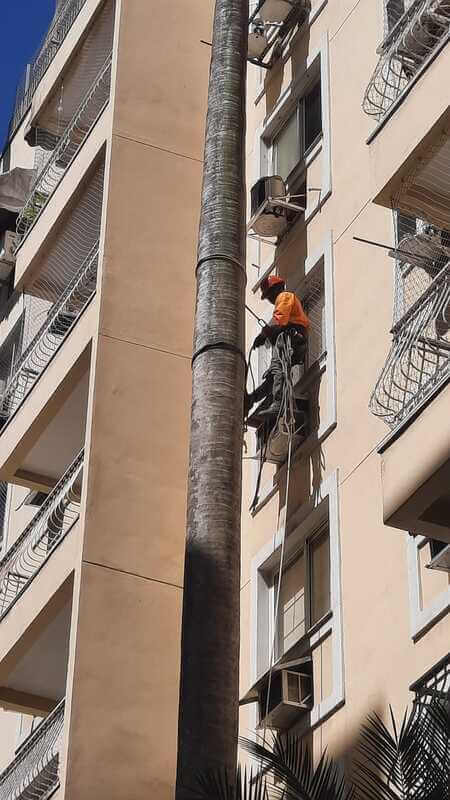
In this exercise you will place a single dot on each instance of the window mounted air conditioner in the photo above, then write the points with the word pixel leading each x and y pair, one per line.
pixel 279 10
pixel 8 244
pixel 257 39
pixel 291 695
pixel 270 205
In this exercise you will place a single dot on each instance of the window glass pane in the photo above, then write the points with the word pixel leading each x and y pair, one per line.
pixel 320 576
pixel 291 608
pixel 313 115
pixel 286 148
pixel 432 582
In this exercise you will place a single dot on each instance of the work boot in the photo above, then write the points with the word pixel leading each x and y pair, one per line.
pixel 272 411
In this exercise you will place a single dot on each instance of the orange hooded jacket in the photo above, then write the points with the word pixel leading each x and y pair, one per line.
pixel 289 311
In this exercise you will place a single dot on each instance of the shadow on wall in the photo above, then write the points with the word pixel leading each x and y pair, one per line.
pixel 275 78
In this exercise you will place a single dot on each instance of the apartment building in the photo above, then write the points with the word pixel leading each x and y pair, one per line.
pixel 346 106
pixel 99 198
pixel 100 188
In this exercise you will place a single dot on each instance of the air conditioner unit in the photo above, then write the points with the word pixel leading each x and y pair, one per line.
pixel 278 10
pixel 8 244
pixel 268 217
pixel 257 39
pixel 270 205
pixel 291 694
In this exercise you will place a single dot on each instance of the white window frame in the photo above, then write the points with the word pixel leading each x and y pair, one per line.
pixel 317 6
pixel 299 110
pixel 422 619
pixel 317 66
pixel 327 364
pixel 305 551
pixel 307 520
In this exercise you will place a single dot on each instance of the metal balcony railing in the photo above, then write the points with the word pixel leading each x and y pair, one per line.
pixel 77 131
pixel 44 533
pixel 419 360
pixel 35 71
pixel 418 34
pixel 60 320
pixel 34 773
pixel 435 684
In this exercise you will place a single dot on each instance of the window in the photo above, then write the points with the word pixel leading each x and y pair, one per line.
pixel 27 726
pixel 304 592
pixel 319 562
pixel 298 134
pixel 291 610
pixel 429 583
pixel 35 498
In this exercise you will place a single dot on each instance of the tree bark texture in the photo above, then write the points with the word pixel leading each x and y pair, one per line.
pixel 209 689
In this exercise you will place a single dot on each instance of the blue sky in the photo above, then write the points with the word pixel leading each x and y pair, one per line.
pixel 23 24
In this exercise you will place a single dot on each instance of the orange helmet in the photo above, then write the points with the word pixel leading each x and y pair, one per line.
pixel 267 283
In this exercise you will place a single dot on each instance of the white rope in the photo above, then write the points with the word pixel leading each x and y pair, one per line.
pixel 287 418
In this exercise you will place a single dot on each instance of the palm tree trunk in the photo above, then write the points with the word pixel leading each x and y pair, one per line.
pixel 210 640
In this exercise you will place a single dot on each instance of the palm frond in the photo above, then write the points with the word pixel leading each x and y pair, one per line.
pixel 291 765
pixel 409 761
pixel 218 785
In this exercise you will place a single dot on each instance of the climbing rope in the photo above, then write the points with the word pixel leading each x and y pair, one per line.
pixel 285 424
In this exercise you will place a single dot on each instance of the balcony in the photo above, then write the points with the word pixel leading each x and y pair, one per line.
pixel 55 36
pixel 60 320
pixel 68 146
pixel 410 394
pixel 406 51
pixel 41 537
pixel 419 360
pixel 34 773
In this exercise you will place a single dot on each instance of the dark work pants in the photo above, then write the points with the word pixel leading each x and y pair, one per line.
pixel 273 379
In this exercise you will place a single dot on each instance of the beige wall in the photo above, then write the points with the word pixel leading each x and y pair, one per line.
pixel 124 703
pixel 122 693
pixel 375 588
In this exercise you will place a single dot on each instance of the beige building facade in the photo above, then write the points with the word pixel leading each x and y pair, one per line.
pixel 99 203
pixel 105 154
pixel 352 115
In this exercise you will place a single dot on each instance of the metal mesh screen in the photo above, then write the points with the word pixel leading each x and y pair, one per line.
pixel 3 502
pixel 414 31
pixel 67 12
pixel 66 150
pixel 34 773
pixel 312 296
pixel 65 121
pixel 49 307
pixel 50 525
pixel 419 358
pixel 422 250
pixel 314 305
